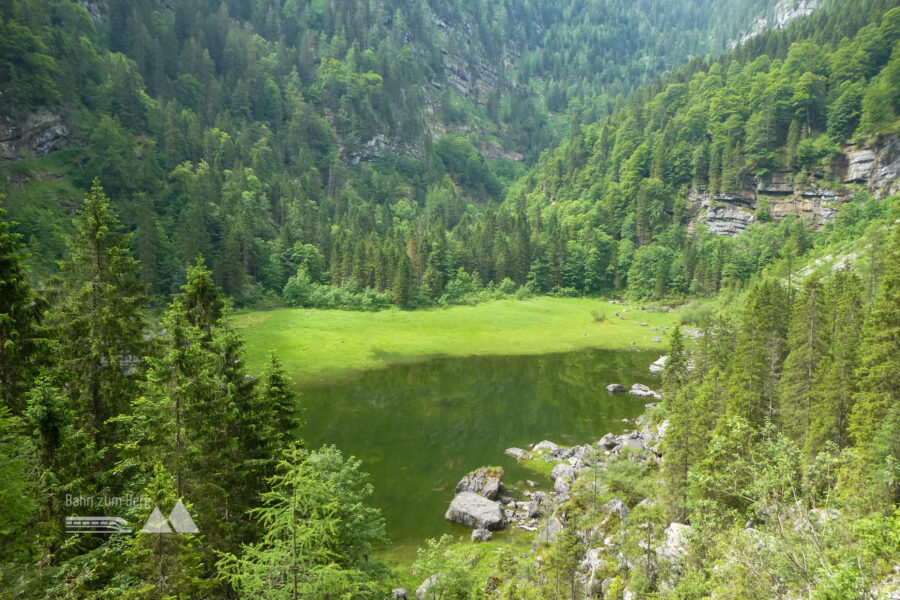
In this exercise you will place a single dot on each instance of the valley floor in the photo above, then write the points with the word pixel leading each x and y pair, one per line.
pixel 317 346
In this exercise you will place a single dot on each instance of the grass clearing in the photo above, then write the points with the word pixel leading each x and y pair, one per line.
pixel 317 346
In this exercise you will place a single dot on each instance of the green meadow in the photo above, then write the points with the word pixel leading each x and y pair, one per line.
pixel 320 345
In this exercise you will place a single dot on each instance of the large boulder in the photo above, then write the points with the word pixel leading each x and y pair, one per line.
pixel 473 510
pixel 485 481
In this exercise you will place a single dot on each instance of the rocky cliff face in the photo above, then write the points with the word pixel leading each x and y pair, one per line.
pixel 39 133
pixel 874 168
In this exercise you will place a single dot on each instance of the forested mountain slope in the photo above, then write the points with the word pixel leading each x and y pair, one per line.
pixel 257 133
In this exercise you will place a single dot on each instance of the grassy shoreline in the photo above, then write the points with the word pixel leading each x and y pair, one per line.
pixel 319 346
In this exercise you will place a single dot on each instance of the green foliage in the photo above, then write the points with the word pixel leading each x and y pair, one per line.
pixel 317 533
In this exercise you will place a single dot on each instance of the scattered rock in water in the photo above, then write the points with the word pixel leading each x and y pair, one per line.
pixel 484 481
pixel 481 535
pixel 642 391
pixel 517 453
pixel 473 510
pixel 615 388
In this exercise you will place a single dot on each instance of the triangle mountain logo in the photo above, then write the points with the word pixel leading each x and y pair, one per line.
pixel 179 518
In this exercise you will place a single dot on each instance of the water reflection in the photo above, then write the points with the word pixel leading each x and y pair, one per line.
pixel 419 428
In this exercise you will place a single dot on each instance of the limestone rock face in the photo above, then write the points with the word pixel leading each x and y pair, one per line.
pixel 476 511
pixel 41 132
pixel 730 212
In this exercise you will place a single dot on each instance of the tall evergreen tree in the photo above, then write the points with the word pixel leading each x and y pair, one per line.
pixel 98 318
pixel 875 420
pixel 807 344
pixel 20 316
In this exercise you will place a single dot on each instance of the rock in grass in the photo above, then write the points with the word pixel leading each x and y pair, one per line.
pixel 616 388
pixel 481 535
pixel 476 511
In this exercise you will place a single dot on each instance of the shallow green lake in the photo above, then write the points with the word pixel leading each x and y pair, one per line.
pixel 419 428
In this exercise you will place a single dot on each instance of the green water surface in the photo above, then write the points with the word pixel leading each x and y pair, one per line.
pixel 419 428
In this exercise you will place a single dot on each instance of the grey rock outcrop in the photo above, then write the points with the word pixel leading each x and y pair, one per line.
pixel 563 476
pixel 399 594
pixel 674 546
pixel 877 168
pixel 484 481
pixel 40 132
pixel 473 510
pixel 481 535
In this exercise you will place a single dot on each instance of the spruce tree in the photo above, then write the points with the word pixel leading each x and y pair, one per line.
pixel 20 316
pixel 678 442
pixel 835 383
pixel 807 344
pixel 98 318
pixel 875 420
